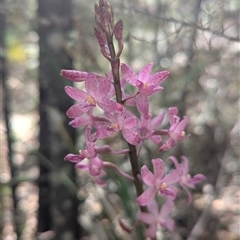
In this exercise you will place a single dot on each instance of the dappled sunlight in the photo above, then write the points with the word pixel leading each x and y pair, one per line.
pixel 198 45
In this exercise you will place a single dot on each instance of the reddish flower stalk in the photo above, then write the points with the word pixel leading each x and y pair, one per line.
pixel 104 11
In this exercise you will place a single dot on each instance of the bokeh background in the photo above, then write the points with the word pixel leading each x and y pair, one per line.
pixel 43 197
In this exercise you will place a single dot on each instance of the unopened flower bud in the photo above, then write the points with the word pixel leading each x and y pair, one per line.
pixel 118 30
pixel 100 37
pixel 104 16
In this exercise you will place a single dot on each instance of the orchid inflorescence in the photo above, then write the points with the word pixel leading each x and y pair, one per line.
pixel 108 92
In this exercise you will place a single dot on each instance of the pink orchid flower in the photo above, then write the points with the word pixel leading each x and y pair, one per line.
pixel 186 181
pixel 88 119
pixel 155 218
pixel 146 83
pixel 120 121
pixel 92 150
pixel 176 131
pixel 89 152
pixel 97 93
pixel 95 165
pixel 83 120
pixel 148 125
pixel 157 182
pixel 95 168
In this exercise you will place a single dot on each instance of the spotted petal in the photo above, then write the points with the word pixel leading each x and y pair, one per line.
pixel 73 75
pixel 77 110
pixel 158 168
pixel 147 176
pixel 146 196
pixel 128 74
pixel 159 77
pixel 76 94
pixel 144 74
pixel 91 84
pixel 130 136
pixel 142 104
pixel 172 113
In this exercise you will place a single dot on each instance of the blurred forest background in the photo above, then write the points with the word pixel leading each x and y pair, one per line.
pixel 43 197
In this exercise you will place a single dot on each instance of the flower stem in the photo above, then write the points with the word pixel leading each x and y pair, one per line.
pixel 115 65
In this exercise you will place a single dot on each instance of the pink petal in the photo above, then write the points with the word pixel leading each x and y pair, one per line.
pixel 155 139
pixel 130 122
pixel 73 75
pixel 82 166
pixel 75 158
pixel 172 112
pixel 158 168
pixel 197 178
pixel 142 104
pixel 174 125
pixel 77 110
pixel 166 208
pixel 110 106
pixel 151 231
pixel 147 176
pixel 145 217
pixel 76 94
pixel 175 161
pixel 169 224
pixel 104 87
pixel 95 166
pixel 158 78
pixel 150 90
pixel 185 165
pixel 145 72
pixel 182 125
pixel 104 132
pixel 146 196
pixel 153 208
pixel 173 176
pixel 91 84
pixel 156 122
pixel 91 150
pixel 170 192
pixel 80 122
pixel 168 144
pixel 87 133
pixel 130 102
pixel 129 75
pixel 112 116
pixel 188 193
pixel 130 136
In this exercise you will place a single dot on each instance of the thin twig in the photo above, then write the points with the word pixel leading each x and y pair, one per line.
pixel 187 24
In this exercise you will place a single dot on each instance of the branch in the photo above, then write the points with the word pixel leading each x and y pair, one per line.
pixel 192 25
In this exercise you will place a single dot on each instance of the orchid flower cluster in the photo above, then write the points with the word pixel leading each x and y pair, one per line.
pixel 108 93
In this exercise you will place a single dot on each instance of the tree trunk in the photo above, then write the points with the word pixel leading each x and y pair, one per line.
pixel 58 204
pixel 6 112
